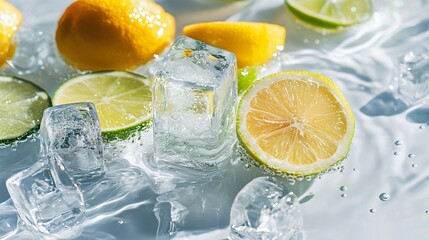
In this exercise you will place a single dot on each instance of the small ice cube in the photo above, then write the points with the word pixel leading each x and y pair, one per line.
pixel 73 132
pixel 47 199
pixel 265 209
pixel 412 82
pixel 195 92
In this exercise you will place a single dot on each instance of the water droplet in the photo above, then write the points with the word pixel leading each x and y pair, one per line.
pixel 399 142
pixel 317 41
pixel 384 197
pixel 372 210
pixel 414 165
pixel 121 221
pixel 343 188
pixel 427 211
pixel 354 169
pixel 344 195
pixel 421 127
pixel 247 166
pixel 396 153
pixel 411 155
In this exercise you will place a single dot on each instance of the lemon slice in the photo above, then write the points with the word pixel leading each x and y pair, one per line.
pixel 331 14
pixel 21 108
pixel 295 123
pixel 123 100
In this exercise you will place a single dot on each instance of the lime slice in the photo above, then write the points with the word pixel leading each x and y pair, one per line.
pixel 123 100
pixel 21 108
pixel 246 76
pixel 295 123
pixel 331 14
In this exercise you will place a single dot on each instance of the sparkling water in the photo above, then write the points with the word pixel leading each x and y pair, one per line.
pixel 195 92
pixel 47 199
pixel 73 132
pixel 412 82
pixel 265 209
pixel 361 61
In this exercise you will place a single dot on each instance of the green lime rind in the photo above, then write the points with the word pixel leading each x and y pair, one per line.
pixel 252 157
pixel 21 102
pixel 321 21
pixel 123 134
pixel 246 76
pixel 118 132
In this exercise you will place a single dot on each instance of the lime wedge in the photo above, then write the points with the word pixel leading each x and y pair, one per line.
pixel 295 123
pixel 123 100
pixel 331 14
pixel 21 108
pixel 246 76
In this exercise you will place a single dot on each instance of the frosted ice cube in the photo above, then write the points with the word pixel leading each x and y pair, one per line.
pixel 412 82
pixel 73 132
pixel 47 199
pixel 265 209
pixel 8 220
pixel 195 92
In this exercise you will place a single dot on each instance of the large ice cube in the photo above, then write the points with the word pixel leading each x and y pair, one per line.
pixel 195 92
pixel 73 132
pixel 8 220
pixel 265 209
pixel 412 82
pixel 47 199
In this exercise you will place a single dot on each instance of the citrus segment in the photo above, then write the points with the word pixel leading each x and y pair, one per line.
pixel 253 43
pixel 113 34
pixel 21 108
pixel 10 20
pixel 122 99
pixel 295 122
pixel 329 13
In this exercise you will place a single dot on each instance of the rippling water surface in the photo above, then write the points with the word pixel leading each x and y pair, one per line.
pixel 381 193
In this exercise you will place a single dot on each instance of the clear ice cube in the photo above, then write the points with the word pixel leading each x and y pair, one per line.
pixel 47 199
pixel 33 48
pixel 195 92
pixel 412 82
pixel 265 209
pixel 73 132
pixel 8 220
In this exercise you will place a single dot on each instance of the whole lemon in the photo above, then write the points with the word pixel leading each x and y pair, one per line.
pixel 113 34
pixel 10 19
